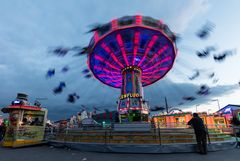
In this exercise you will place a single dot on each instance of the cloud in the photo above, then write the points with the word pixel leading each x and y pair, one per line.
pixel 106 97
pixel 29 28
pixel 186 12
pixel 174 92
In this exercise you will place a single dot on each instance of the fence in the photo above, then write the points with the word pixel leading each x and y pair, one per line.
pixel 153 134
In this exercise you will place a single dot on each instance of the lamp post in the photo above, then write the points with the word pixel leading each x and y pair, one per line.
pixel 197 107
pixel 209 111
pixel 217 102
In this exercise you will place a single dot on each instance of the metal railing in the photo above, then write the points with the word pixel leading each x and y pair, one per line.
pixel 158 134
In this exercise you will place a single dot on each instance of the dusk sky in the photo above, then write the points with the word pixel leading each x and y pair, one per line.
pixel 28 29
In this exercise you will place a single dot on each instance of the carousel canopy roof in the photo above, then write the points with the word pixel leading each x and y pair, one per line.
pixel 137 41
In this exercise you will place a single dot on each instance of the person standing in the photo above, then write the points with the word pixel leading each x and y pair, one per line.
pixel 201 135
pixel 1 132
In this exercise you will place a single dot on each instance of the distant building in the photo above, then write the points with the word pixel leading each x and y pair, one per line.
pixel 107 117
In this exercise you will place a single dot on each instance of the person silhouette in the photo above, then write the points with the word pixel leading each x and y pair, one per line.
pixel 201 135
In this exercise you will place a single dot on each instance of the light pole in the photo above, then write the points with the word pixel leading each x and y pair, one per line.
pixel 209 111
pixel 217 102
pixel 197 107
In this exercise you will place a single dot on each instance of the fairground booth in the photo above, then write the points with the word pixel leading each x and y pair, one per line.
pixel 26 123
pixel 180 119
pixel 230 112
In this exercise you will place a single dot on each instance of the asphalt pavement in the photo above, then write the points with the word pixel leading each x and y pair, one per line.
pixel 50 153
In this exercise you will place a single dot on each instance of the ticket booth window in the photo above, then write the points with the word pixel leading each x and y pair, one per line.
pixel 13 118
pixel 32 120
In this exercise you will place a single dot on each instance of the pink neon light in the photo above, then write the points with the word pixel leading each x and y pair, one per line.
pixel 138 19
pixel 97 67
pixel 102 60
pixel 96 37
pixel 112 80
pixel 109 76
pixel 150 44
pixel 155 65
pixel 146 81
pixel 116 74
pixel 108 50
pixel 117 82
pixel 114 23
pixel 120 42
pixel 149 77
pixel 136 42
pixel 122 109
pixel 160 51
pixel 161 21
pixel 155 71
pixel 105 70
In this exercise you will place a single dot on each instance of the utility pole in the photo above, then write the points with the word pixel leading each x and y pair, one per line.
pixel 217 102
pixel 166 104
pixel 197 108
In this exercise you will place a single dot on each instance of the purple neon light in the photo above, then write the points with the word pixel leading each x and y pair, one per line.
pixel 97 57
pixel 105 70
pixel 108 50
pixel 160 51
pixel 136 42
pixel 152 76
pixel 150 44
pixel 111 76
pixel 146 81
pixel 155 65
pixel 155 71
pixel 120 43
pixel 113 79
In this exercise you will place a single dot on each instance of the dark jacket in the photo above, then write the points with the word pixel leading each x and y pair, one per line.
pixel 197 124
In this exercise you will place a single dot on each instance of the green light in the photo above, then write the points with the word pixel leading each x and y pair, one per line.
pixel 6 122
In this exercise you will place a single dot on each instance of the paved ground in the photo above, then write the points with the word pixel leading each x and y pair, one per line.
pixel 47 153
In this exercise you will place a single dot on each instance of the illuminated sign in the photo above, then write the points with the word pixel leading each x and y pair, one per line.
pixel 17 102
pixel 130 95
pixel 227 110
